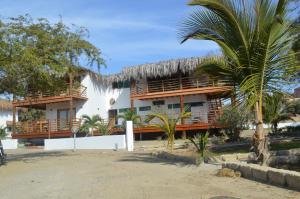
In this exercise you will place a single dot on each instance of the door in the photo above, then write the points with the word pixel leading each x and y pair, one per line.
pixel 112 115
pixel 63 118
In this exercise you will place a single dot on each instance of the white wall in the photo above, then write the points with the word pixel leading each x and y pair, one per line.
pixel 99 142
pixel 5 116
pixel 10 144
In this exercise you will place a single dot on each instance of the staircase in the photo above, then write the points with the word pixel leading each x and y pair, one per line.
pixel 214 109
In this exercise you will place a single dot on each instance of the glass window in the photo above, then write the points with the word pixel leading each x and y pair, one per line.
pixel 123 110
pixel 173 106
pixel 145 108
pixel 158 102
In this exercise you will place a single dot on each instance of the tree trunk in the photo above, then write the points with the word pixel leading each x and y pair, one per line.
pixel 260 141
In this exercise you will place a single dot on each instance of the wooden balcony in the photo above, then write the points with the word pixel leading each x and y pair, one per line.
pixel 197 121
pixel 177 87
pixel 44 129
pixel 60 95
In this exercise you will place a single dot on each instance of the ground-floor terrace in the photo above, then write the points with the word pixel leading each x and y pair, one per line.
pixel 109 174
pixel 64 114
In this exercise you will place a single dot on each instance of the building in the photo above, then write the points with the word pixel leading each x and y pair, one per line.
pixel 6 115
pixel 167 87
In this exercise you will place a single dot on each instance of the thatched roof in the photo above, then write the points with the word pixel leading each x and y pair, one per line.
pixel 5 105
pixel 159 69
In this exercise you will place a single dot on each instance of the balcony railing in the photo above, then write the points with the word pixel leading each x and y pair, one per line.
pixel 196 118
pixel 78 91
pixel 175 84
pixel 45 126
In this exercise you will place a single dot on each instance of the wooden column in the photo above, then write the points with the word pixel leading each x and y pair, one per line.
pixel 132 104
pixel 180 81
pixel 182 107
pixel 14 120
pixel 183 136
pixel 71 100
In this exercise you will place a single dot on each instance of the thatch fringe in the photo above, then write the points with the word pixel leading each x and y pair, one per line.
pixel 5 105
pixel 152 70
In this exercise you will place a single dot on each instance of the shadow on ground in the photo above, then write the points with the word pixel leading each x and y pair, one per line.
pixel 33 156
pixel 224 197
pixel 148 158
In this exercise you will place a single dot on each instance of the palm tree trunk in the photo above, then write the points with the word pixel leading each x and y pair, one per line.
pixel 260 141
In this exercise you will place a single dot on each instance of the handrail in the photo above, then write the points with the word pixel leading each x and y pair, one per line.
pixel 78 91
pixel 173 84
pixel 45 126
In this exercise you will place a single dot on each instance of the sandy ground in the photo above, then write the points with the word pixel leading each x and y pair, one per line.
pixel 34 174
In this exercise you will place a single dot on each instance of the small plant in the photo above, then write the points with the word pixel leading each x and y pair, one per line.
pixel 90 123
pixel 2 132
pixel 167 124
pixel 130 115
pixel 104 128
pixel 200 142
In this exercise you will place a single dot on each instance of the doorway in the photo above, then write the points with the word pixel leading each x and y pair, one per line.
pixel 63 118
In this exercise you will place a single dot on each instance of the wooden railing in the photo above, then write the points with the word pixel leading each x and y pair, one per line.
pixel 196 117
pixel 175 84
pixel 45 126
pixel 78 91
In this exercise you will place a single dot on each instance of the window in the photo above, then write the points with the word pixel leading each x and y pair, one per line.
pixel 119 85
pixel 158 102
pixel 173 106
pixel 194 104
pixel 145 108
pixel 123 110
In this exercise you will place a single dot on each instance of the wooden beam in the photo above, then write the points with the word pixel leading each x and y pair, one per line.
pixel 132 104
pixel 193 91
pixel 181 107
pixel 71 101
pixel 14 120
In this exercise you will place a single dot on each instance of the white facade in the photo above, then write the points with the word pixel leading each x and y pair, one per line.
pixel 5 115
pixel 99 98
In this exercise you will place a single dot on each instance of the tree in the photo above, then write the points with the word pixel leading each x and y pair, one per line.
pixel 277 109
pixel 167 125
pixel 255 37
pixel 234 119
pixel 129 115
pixel 31 115
pixel 36 54
pixel 90 124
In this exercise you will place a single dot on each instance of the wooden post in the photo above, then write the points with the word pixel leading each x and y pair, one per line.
pixel 49 129
pixel 71 100
pixel 180 81
pixel 182 107
pixel 132 104
pixel 14 119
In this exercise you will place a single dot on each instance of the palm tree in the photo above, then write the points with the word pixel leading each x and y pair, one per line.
pixel 130 115
pixel 276 110
pixel 255 37
pixel 104 128
pixel 168 125
pixel 90 123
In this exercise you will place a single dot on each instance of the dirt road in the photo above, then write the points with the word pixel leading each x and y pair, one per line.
pixel 94 175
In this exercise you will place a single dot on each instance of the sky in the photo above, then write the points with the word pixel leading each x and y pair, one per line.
pixel 128 32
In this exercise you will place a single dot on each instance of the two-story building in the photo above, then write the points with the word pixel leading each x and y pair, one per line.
pixel 166 87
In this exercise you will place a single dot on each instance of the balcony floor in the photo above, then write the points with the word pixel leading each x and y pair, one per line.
pixel 45 100
pixel 203 90
pixel 55 134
